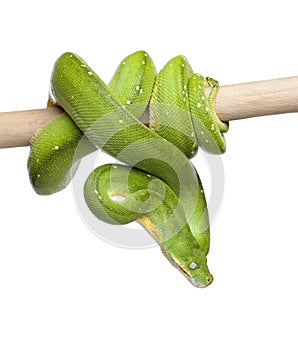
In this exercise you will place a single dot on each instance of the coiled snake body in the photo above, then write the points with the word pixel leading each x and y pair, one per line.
pixel 162 191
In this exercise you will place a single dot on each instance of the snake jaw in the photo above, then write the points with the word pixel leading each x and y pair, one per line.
pixel 195 270
pixel 192 280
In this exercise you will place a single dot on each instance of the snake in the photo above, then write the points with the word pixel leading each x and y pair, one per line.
pixel 154 183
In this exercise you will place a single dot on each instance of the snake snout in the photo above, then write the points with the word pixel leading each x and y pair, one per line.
pixel 209 280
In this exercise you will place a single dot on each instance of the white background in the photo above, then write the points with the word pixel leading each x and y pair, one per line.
pixel 61 287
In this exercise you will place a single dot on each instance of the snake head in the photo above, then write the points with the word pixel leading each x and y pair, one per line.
pixel 188 257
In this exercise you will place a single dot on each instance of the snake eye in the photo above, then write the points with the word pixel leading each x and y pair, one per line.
pixel 193 265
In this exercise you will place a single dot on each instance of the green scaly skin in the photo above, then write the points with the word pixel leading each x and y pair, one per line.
pixel 108 116
pixel 154 205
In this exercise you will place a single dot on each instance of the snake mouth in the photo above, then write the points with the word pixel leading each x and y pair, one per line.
pixel 209 279
pixel 187 275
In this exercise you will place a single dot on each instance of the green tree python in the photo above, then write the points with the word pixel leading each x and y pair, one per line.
pixel 158 185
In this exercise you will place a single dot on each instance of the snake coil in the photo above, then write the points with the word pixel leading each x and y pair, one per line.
pixel 160 187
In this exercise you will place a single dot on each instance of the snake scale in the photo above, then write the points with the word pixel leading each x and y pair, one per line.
pixel 158 185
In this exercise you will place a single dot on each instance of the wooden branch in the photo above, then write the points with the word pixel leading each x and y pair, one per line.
pixel 256 99
pixel 17 128
pixel 238 101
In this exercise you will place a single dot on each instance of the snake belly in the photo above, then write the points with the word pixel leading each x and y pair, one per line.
pixel 181 118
